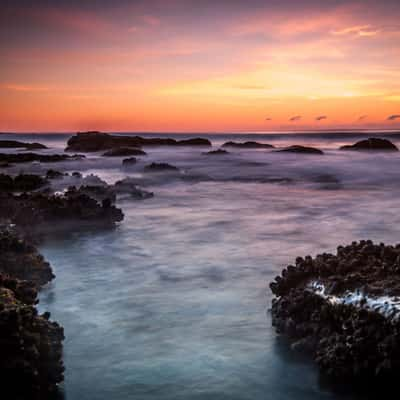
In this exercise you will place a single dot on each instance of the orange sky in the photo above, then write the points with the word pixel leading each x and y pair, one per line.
pixel 176 65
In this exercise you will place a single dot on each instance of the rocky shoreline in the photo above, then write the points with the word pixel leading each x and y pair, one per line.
pixel 344 310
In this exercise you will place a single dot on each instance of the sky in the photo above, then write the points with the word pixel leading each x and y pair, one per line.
pixel 201 66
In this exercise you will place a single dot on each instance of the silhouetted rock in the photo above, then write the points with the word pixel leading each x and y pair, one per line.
pixel 53 174
pixel 97 192
pixel 301 150
pixel 29 157
pixel 129 161
pixel 97 141
pixel 21 183
pixel 159 167
pixel 30 345
pixel 9 144
pixel 248 145
pixel 124 152
pixel 372 144
pixel 128 186
pixel 216 152
pixel 345 310
pixel 21 260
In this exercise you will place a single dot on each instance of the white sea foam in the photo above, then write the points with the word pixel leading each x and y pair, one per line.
pixel 388 306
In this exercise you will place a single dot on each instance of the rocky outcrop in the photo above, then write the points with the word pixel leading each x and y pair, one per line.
pixel 124 152
pixel 371 144
pixel 127 162
pixel 54 174
pixel 301 150
pixel 128 186
pixel 21 260
pixel 160 167
pixel 30 157
pixel 248 145
pixel 15 144
pixel 98 141
pixel 21 182
pixel 344 310
pixel 30 345
pixel 216 152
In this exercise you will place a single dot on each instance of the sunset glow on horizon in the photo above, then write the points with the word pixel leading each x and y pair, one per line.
pixel 178 65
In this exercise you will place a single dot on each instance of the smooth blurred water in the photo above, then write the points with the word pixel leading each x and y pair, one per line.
pixel 173 303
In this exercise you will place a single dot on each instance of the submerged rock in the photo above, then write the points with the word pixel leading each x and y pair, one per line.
pixel 21 182
pixel 124 151
pixel 11 144
pixel 129 161
pixel 30 157
pixel 128 186
pixel 345 310
pixel 159 167
pixel 248 145
pixel 53 174
pixel 301 150
pixel 372 144
pixel 97 141
pixel 216 152
pixel 30 345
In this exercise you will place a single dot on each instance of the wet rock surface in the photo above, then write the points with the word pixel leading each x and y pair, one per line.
pixel 124 152
pixel 216 152
pixel 344 310
pixel 21 182
pixel 159 167
pixel 129 161
pixel 30 157
pixel 301 150
pixel 248 145
pixel 129 186
pixel 97 141
pixel 15 144
pixel 371 144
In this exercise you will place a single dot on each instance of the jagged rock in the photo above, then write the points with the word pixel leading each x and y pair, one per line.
pixel 216 152
pixel 76 174
pixel 301 150
pixel 21 183
pixel 97 192
pixel 129 161
pixel 53 174
pixel 97 141
pixel 9 144
pixel 159 167
pixel 30 345
pixel 124 152
pixel 372 144
pixel 248 145
pixel 30 157
pixel 344 309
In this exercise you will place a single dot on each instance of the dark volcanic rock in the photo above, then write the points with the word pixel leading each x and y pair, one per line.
pixel 345 310
pixel 53 174
pixel 248 145
pixel 301 150
pixel 30 345
pixel 29 157
pixel 129 161
pixel 10 144
pixel 21 260
pixel 124 152
pixel 97 192
pixel 159 167
pixel 372 144
pixel 97 141
pixel 216 152
pixel 40 213
pixel 21 183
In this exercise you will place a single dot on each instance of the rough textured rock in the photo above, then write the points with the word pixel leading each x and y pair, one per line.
pixel 97 141
pixel 216 152
pixel 344 309
pixel 97 192
pixel 128 186
pixel 21 182
pixel 124 152
pixel 372 144
pixel 30 157
pixel 159 167
pixel 248 145
pixel 53 174
pixel 301 150
pixel 30 345
pixel 129 161
pixel 15 144
pixel 21 260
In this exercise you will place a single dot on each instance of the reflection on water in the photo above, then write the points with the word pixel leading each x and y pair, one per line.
pixel 173 304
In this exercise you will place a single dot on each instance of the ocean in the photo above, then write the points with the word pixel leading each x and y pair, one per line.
pixel 173 303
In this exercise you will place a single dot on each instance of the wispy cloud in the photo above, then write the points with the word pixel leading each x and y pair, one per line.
pixel 393 117
pixel 321 117
pixel 362 117
pixel 24 88
pixel 295 118
pixel 359 30
pixel 268 119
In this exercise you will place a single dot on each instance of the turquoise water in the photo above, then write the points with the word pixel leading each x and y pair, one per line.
pixel 173 303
